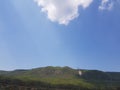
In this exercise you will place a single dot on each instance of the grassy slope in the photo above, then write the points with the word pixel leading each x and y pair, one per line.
pixel 66 76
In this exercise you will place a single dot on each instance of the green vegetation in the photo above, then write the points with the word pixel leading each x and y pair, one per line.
pixel 59 78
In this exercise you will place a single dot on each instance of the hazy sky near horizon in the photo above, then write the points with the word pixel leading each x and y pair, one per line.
pixel 77 33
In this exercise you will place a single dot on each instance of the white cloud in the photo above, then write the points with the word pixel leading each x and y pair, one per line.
pixel 106 5
pixel 62 11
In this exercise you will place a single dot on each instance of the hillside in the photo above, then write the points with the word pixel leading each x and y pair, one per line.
pixel 62 77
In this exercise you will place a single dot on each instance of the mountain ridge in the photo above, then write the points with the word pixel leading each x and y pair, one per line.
pixel 50 70
pixel 63 76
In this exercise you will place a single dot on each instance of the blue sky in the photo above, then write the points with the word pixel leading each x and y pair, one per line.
pixel 29 38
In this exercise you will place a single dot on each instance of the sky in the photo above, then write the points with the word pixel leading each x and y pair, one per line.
pixel 82 34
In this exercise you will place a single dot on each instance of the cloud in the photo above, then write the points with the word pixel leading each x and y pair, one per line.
pixel 62 11
pixel 106 5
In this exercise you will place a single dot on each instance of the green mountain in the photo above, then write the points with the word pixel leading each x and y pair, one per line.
pixel 60 78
